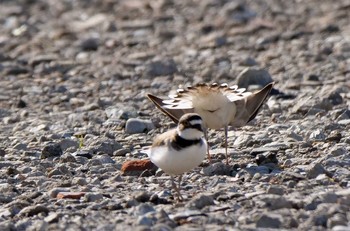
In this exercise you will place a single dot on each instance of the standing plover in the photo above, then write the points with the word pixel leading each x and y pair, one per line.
pixel 220 106
pixel 181 149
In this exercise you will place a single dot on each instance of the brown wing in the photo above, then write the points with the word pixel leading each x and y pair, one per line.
pixel 248 107
pixel 173 114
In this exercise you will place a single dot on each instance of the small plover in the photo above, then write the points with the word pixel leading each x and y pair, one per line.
pixel 219 105
pixel 181 149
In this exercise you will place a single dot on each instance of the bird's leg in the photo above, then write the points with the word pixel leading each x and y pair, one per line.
pixel 226 133
pixel 177 189
pixel 179 181
pixel 206 138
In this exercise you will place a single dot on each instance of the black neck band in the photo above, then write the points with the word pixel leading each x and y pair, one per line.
pixel 180 143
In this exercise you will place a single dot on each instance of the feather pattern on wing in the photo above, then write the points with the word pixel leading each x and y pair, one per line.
pixel 204 92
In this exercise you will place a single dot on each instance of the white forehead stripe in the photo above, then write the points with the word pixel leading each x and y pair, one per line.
pixel 194 122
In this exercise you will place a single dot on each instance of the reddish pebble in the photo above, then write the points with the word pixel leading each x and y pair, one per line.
pixel 136 167
pixel 70 195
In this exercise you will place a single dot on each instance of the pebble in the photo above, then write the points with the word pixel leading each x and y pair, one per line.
pixel 68 143
pixel 104 145
pixel 70 195
pixel 137 167
pixel 105 159
pixel 51 150
pixel 317 135
pixel 315 169
pixel 90 44
pixel 54 192
pixel 200 201
pixel 218 168
pixel 273 221
pixel 143 209
pixel 253 76
pixel 93 197
pixel 33 210
pixel 275 202
pixel 160 68
pixel 135 125
pixel 274 189
pixel 122 152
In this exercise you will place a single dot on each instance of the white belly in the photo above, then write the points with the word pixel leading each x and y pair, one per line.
pixel 176 162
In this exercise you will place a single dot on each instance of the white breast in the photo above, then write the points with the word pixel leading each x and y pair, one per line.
pixel 176 162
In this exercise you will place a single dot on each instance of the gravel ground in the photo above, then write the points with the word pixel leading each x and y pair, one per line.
pixel 73 109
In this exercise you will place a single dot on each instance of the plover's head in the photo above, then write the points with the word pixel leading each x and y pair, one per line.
pixel 190 126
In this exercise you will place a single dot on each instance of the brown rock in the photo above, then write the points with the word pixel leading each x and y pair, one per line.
pixel 138 167
pixel 70 195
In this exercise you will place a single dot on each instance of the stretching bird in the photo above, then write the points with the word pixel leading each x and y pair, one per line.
pixel 219 106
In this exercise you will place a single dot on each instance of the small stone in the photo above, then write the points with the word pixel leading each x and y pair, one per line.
pixel 312 77
pixel 135 125
pixel 90 44
pixel 314 170
pixel 83 153
pixel 334 136
pixel 33 210
pixel 335 98
pixel 51 150
pixel 266 158
pixel 253 76
pixel 136 167
pixel 242 140
pixel 10 119
pixel 105 159
pixel 218 168
pixel 259 150
pixel 20 146
pixel 52 218
pixel 294 136
pixel 145 221
pixel 249 62
pixel 274 189
pixel 269 221
pixel 79 181
pixel 186 214
pixel 104 145
pixel 339 227
pixel 24 114
pixel 53 192
pixel 160 68
pixel 163 227
pixel 142 196
pixel 2 152
pixel 143 209
pixel 7 225
pixel 275 202
pixel 68 143
pixel 121 152
pixel 317 135
pixel 328 197
pixel 17 70
pixel 338 151
pixel 21 104
pixel 42 59
pixel 200 201
pixel 70 195
pixel 121 111
pixel 93 197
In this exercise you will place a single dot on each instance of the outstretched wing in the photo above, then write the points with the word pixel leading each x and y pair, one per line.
pixel 248 107
pixel 173 113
